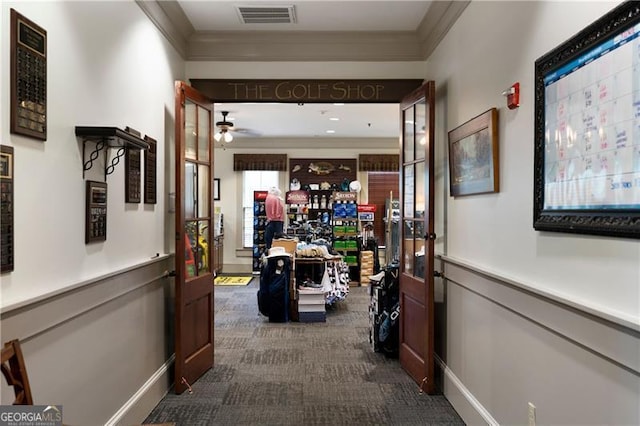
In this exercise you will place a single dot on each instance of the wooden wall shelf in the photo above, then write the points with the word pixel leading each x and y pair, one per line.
pixel 107 137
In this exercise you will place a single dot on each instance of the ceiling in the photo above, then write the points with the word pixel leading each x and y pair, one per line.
pixel 311 120
pixel 310 15
pixel 324 30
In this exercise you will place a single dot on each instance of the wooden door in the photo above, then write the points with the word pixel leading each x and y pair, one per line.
pixel 194 236
pixel 417 237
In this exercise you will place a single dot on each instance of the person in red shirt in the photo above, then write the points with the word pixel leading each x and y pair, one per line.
pixel 274 206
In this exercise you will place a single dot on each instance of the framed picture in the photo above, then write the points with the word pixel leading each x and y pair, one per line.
pixel 473 156
pixel 587 130
pixel 216 189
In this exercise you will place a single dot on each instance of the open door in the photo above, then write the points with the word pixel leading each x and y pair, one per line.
pixel 417 237
pixel 194 236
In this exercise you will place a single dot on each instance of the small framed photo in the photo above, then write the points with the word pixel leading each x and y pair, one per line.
pixel 216 189
pixel 473 156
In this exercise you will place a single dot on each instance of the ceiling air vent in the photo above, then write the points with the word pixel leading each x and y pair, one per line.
pixel 267 14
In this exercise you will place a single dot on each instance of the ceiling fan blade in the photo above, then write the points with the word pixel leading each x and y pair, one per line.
pixel 247 132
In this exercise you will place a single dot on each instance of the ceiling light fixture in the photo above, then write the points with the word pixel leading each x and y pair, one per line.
pixel 223 134
pixel 224 127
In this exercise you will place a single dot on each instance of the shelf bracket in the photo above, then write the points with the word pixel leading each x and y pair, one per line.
pixel 114 161
pixel 100 145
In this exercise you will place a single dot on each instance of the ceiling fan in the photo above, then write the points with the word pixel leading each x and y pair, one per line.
pixel 225 127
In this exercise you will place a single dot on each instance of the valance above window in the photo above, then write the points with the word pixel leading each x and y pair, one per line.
pixel 379 163
pixel 274 162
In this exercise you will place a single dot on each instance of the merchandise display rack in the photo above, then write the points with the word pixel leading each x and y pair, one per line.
pixel 259 227
pixel 345 230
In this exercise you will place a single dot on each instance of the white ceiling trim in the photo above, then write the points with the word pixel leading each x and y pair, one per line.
pixel 171 21
pixel 437 22
pixel 304 46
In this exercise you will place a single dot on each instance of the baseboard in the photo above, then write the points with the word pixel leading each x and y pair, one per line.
pixel 138 407
pixel 466 405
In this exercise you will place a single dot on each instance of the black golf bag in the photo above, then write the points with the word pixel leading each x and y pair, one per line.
pixel 273 295
pixel 384 311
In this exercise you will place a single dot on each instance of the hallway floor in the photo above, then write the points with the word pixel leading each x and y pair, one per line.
pixel 300 373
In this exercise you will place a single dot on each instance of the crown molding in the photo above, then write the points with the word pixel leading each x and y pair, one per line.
pixel 303 46
pixel 171 21
pixel 319 46
pixel 437 22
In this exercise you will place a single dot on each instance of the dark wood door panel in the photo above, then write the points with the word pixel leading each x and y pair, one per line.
pixel 197 288
pixel 414 313
pixel 412 288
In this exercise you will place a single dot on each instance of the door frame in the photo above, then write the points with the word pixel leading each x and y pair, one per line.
pixel 317 91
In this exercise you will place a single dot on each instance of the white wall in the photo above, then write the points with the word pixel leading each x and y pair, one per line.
pixel 491 46
pixel 525 316
pixel 107 66
pixel 94 320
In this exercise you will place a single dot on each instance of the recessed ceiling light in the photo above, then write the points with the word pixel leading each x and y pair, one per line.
pixel 334 119
pixel 331 131
pixel 339 104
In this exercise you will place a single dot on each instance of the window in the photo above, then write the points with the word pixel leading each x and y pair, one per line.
pixel 253 180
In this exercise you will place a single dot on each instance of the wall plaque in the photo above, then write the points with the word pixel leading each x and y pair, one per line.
pixel 150 171
pixel 96 212
pixel 28 78
pixel 132 175
pixel 6 208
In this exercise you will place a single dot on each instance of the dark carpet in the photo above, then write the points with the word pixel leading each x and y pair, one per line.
pixel 300 373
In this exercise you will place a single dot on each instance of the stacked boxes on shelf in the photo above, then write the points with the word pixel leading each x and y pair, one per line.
pixel 366 266
pixel 311 305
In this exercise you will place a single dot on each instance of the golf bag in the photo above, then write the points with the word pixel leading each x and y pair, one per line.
pixel 273 295
pixel 384 311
